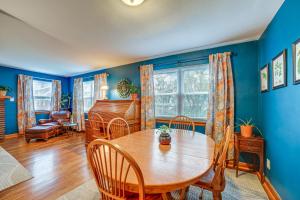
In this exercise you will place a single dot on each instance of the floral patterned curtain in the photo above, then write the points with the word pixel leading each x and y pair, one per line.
pixel 147 97
pixel 221 98
pixel 26 114
pixel 56 95
pixel 78 112
pixel 99 81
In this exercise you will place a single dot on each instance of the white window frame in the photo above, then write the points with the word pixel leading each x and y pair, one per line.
pixel 180 88
pixel 34 97
pixel 92 96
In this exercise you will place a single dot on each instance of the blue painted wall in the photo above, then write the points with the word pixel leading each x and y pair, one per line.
pixel 244 69
pixel 8 77
pixel 280 108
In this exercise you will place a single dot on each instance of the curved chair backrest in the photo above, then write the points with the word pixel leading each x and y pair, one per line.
pixel 97 125
pixel 183 123
pixel 220 159
pixel 117 127
pixel 111 165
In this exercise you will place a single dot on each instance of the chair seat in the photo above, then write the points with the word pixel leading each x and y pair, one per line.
pixel 206 179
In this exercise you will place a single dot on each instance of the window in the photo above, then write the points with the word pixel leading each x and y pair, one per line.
pixel 42 95
pixel 182 91
pixel 88 94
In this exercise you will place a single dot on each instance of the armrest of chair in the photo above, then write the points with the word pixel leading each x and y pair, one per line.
pixel 44 121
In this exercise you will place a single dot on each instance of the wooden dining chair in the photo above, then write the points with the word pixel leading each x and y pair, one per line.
pixel 183 123
pixel 214 179
pixel 117 127
pixel 97 126
pixel 111 166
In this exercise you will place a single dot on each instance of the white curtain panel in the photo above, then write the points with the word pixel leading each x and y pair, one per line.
pixel 56 95
pixel 78 112
pixel 99 81
pixel 147 97
pixel 26 114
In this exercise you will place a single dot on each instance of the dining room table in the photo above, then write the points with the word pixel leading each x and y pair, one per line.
pixel 171 167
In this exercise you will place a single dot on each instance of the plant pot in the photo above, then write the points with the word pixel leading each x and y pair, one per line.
pixel 134 96
pixel 247 131
pixel 164 139
pixel 3 93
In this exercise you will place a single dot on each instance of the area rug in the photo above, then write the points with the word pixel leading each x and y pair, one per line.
pixel 11 171
pixel 245 187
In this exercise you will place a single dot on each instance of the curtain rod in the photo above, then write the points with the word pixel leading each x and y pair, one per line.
pixel 46 79
pixel 92 76
pixel 188 60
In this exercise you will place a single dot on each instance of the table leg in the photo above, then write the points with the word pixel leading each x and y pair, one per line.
pixel 261 167
pixel 237 163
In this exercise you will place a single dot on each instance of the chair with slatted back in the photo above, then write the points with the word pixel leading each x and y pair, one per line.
pixel 117 127
pixel 111 166
pixel 214 179
pixel 183 123
pixel 97 126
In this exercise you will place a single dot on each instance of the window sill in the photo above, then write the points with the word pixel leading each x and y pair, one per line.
pixel 42 112
pixel 167 120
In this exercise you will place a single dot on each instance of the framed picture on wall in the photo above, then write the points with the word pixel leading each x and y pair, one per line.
pixel 279 70
pixel 296 61
pixel 264 78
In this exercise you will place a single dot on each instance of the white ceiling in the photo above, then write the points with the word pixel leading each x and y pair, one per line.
pixel 68 37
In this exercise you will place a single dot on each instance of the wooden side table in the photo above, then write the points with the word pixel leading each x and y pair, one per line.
pixel 253 145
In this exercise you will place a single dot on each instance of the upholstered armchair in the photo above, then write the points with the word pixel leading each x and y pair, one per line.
pixel 56 119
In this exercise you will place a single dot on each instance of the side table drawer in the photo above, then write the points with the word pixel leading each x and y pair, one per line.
pixel 250 148
pixel 250 143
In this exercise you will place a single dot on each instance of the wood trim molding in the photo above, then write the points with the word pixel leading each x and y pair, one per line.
pixel 246 167
pixel 10 136
pixel 270 190
pixel 4 97
pixel 167 121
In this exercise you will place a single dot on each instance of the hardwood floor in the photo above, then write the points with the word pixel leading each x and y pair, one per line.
pixel 57 166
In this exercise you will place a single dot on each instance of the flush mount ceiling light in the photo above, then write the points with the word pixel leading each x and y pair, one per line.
pixel 133 2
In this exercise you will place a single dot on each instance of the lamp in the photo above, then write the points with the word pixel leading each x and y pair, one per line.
pixel 104 88
pixel 133 2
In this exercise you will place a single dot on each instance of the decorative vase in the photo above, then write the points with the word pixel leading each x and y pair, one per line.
pixel 134 96
pixel 246 131
pixel 3 93
pixel 164 139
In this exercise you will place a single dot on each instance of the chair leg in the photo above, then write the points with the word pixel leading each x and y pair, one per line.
pixel 183 193
pixel 217 195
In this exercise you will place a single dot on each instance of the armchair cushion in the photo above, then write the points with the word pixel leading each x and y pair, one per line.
pixel 44 121
pixel 61 116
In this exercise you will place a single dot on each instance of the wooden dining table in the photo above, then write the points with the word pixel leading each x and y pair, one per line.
pixel 172 167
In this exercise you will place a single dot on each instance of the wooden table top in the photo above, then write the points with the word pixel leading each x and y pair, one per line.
pixel 167 168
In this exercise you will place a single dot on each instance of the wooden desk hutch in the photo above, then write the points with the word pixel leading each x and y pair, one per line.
pixel 130 110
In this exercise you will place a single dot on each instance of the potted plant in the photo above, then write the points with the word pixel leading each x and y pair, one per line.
pixel 246 128
pixel 4 90
pixel 133 91
pixel 65 101
pixel 164 135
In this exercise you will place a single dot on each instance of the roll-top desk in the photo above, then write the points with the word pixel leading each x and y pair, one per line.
pixel 130 110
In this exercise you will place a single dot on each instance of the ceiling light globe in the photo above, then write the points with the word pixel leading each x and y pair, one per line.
pixel 133 2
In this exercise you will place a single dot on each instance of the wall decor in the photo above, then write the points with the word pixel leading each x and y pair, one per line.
pixel 264 78
pixel 279 70
pixel 296 61
pixel 123 88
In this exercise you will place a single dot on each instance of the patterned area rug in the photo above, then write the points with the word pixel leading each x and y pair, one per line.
pixel 245 187
pixel 11 171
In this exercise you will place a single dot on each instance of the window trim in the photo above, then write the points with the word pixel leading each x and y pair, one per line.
pixel 163 119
